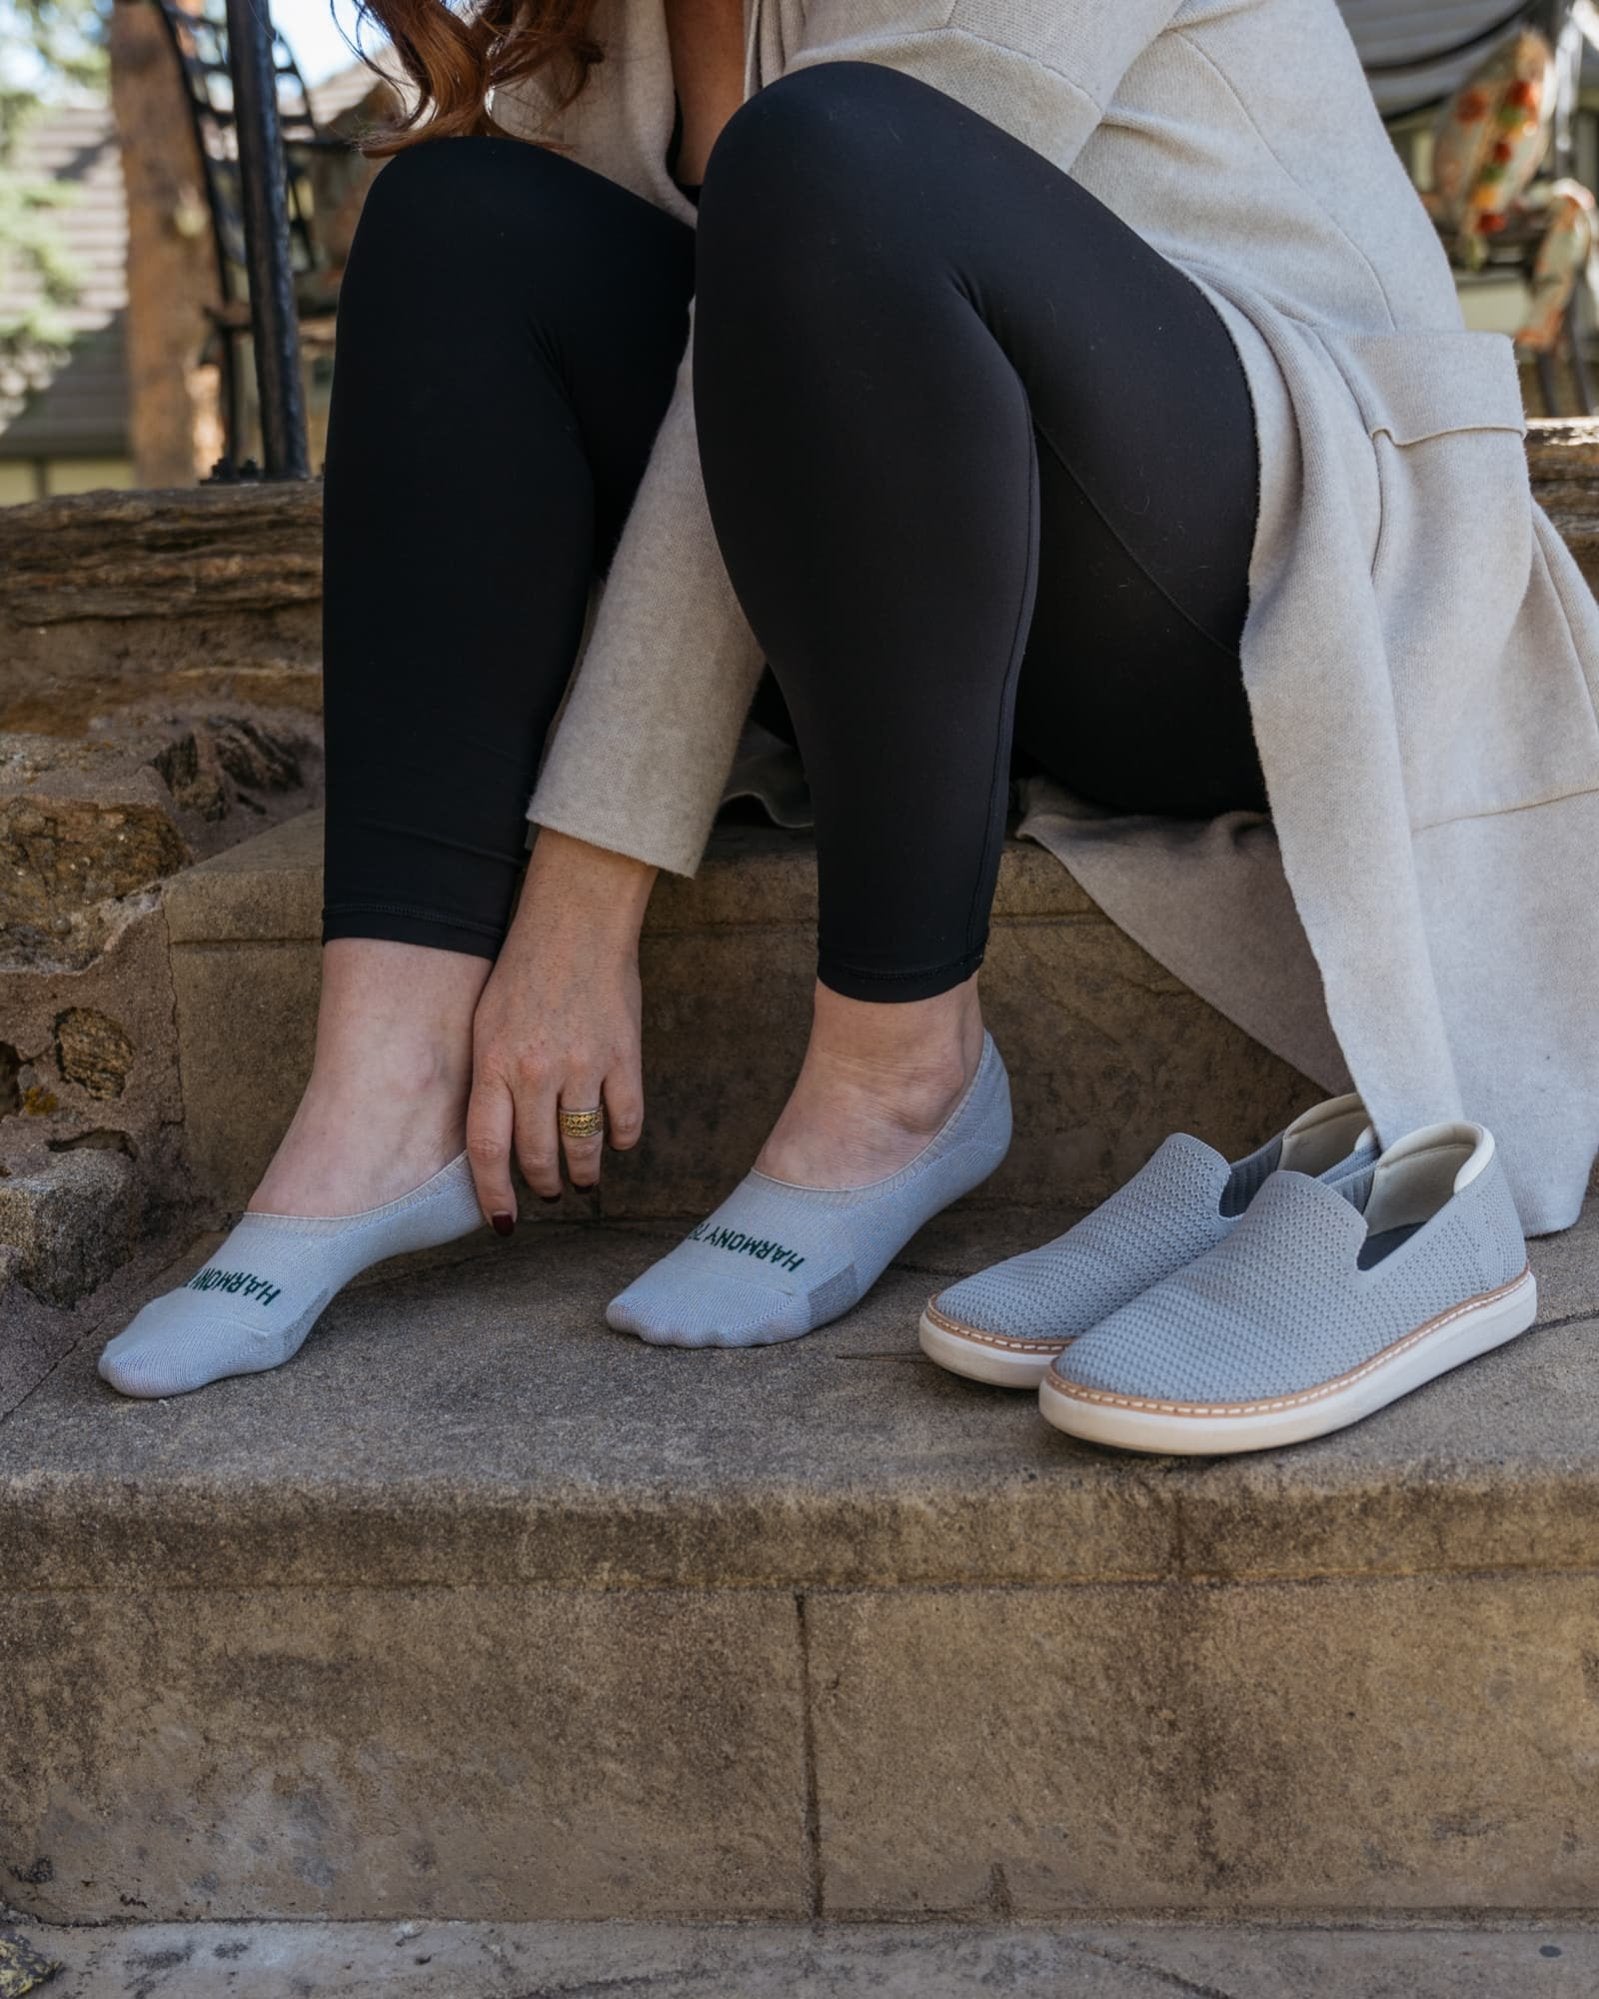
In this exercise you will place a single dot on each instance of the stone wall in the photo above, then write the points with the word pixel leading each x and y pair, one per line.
pixel 160 696
pixel 112 600
pixel 90 826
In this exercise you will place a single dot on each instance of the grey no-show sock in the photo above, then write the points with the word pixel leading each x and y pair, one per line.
pixel 777 1260
pixel 251 1306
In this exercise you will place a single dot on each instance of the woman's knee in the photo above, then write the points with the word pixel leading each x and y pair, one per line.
pixel 821 138
pixel 472 210
pixel 498 231
pixel 430 194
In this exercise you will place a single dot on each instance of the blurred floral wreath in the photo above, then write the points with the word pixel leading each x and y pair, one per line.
pixel 1493 137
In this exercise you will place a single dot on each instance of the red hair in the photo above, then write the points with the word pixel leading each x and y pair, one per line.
pixel 455 60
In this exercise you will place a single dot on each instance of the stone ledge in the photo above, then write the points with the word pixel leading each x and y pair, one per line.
pixel 256 545
pixel 416 1960
pixel 468 1418
pixel 214 592
pixel 252 546
pixel 479 1611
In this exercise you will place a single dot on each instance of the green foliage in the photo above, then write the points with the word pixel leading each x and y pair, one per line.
pixel 53 48
pixel 55 43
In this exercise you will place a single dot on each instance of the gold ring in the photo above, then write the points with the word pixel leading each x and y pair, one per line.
pixel 582 1124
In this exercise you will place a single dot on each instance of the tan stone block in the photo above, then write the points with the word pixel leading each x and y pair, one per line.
pixel 265 889
pixel 457 1752
pixel 1019 1752
pixel 247 1033
pixel 68 1223
pixel 1108 1053
pixel 1419 1743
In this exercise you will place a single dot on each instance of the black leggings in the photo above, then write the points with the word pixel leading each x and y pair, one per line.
pixel 981 462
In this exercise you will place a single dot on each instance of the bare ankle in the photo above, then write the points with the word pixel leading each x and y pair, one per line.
pixel 876 1084
pixel 915 1056
pixel 385 1104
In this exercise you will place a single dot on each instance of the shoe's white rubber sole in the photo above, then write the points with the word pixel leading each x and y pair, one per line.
pixel 1137 1423
pixel 985 1356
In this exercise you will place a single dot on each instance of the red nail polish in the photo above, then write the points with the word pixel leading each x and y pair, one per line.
pixel 503 1224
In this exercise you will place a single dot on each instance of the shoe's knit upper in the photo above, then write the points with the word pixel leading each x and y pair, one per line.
pixel 1166 1215
pixel 1281 1305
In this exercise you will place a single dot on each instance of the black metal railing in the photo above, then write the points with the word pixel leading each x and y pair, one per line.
pixel 264 199
pixel 254 129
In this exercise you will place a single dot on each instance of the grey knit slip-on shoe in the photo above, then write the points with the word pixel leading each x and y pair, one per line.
pixel 1327 1302
pixel 1006 1324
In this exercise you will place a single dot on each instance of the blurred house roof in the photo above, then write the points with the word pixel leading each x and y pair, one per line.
pixel 83 411
pixel 346 87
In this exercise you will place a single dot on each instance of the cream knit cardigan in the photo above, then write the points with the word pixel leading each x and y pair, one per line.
pixel 1421 653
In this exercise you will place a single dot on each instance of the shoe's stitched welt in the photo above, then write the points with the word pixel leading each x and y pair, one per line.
pixel 994 1339
pixel 1075 1393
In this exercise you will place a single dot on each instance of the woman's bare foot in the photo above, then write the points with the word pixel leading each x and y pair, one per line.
pixel 877 1082
pixel 385 1107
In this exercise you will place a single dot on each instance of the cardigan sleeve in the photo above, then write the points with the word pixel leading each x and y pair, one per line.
pixel 652 723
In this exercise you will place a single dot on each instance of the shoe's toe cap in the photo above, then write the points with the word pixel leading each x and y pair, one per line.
pixel 1011 1304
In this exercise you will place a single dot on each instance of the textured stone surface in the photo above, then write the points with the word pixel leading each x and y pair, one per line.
pixel 1295 1747
pixel 109 598
pixel 96 1044
pixel 467 1417
pixel 70 1223
pixel 1107 1051
pixel 768 1961
pixel 35 1336
pixel 481 1753
pixel 893 1643
pixel 470 1419
pixel 246 1030
pixel 1420 1743
pixel 94 1051
pixel 90 1155
pixel 1005 1751
pixel 86 822
pixel 268 888
pixel 1563 457
pixel 1272 1748
pixel 60 856
pixel 88 1045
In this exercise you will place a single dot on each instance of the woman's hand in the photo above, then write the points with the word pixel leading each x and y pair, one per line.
pixel 557 1026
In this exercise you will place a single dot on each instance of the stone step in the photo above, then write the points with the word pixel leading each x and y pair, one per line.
pixel 480 1611
pixel 200 593
pixel 1107 1051
pixel 415 1960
